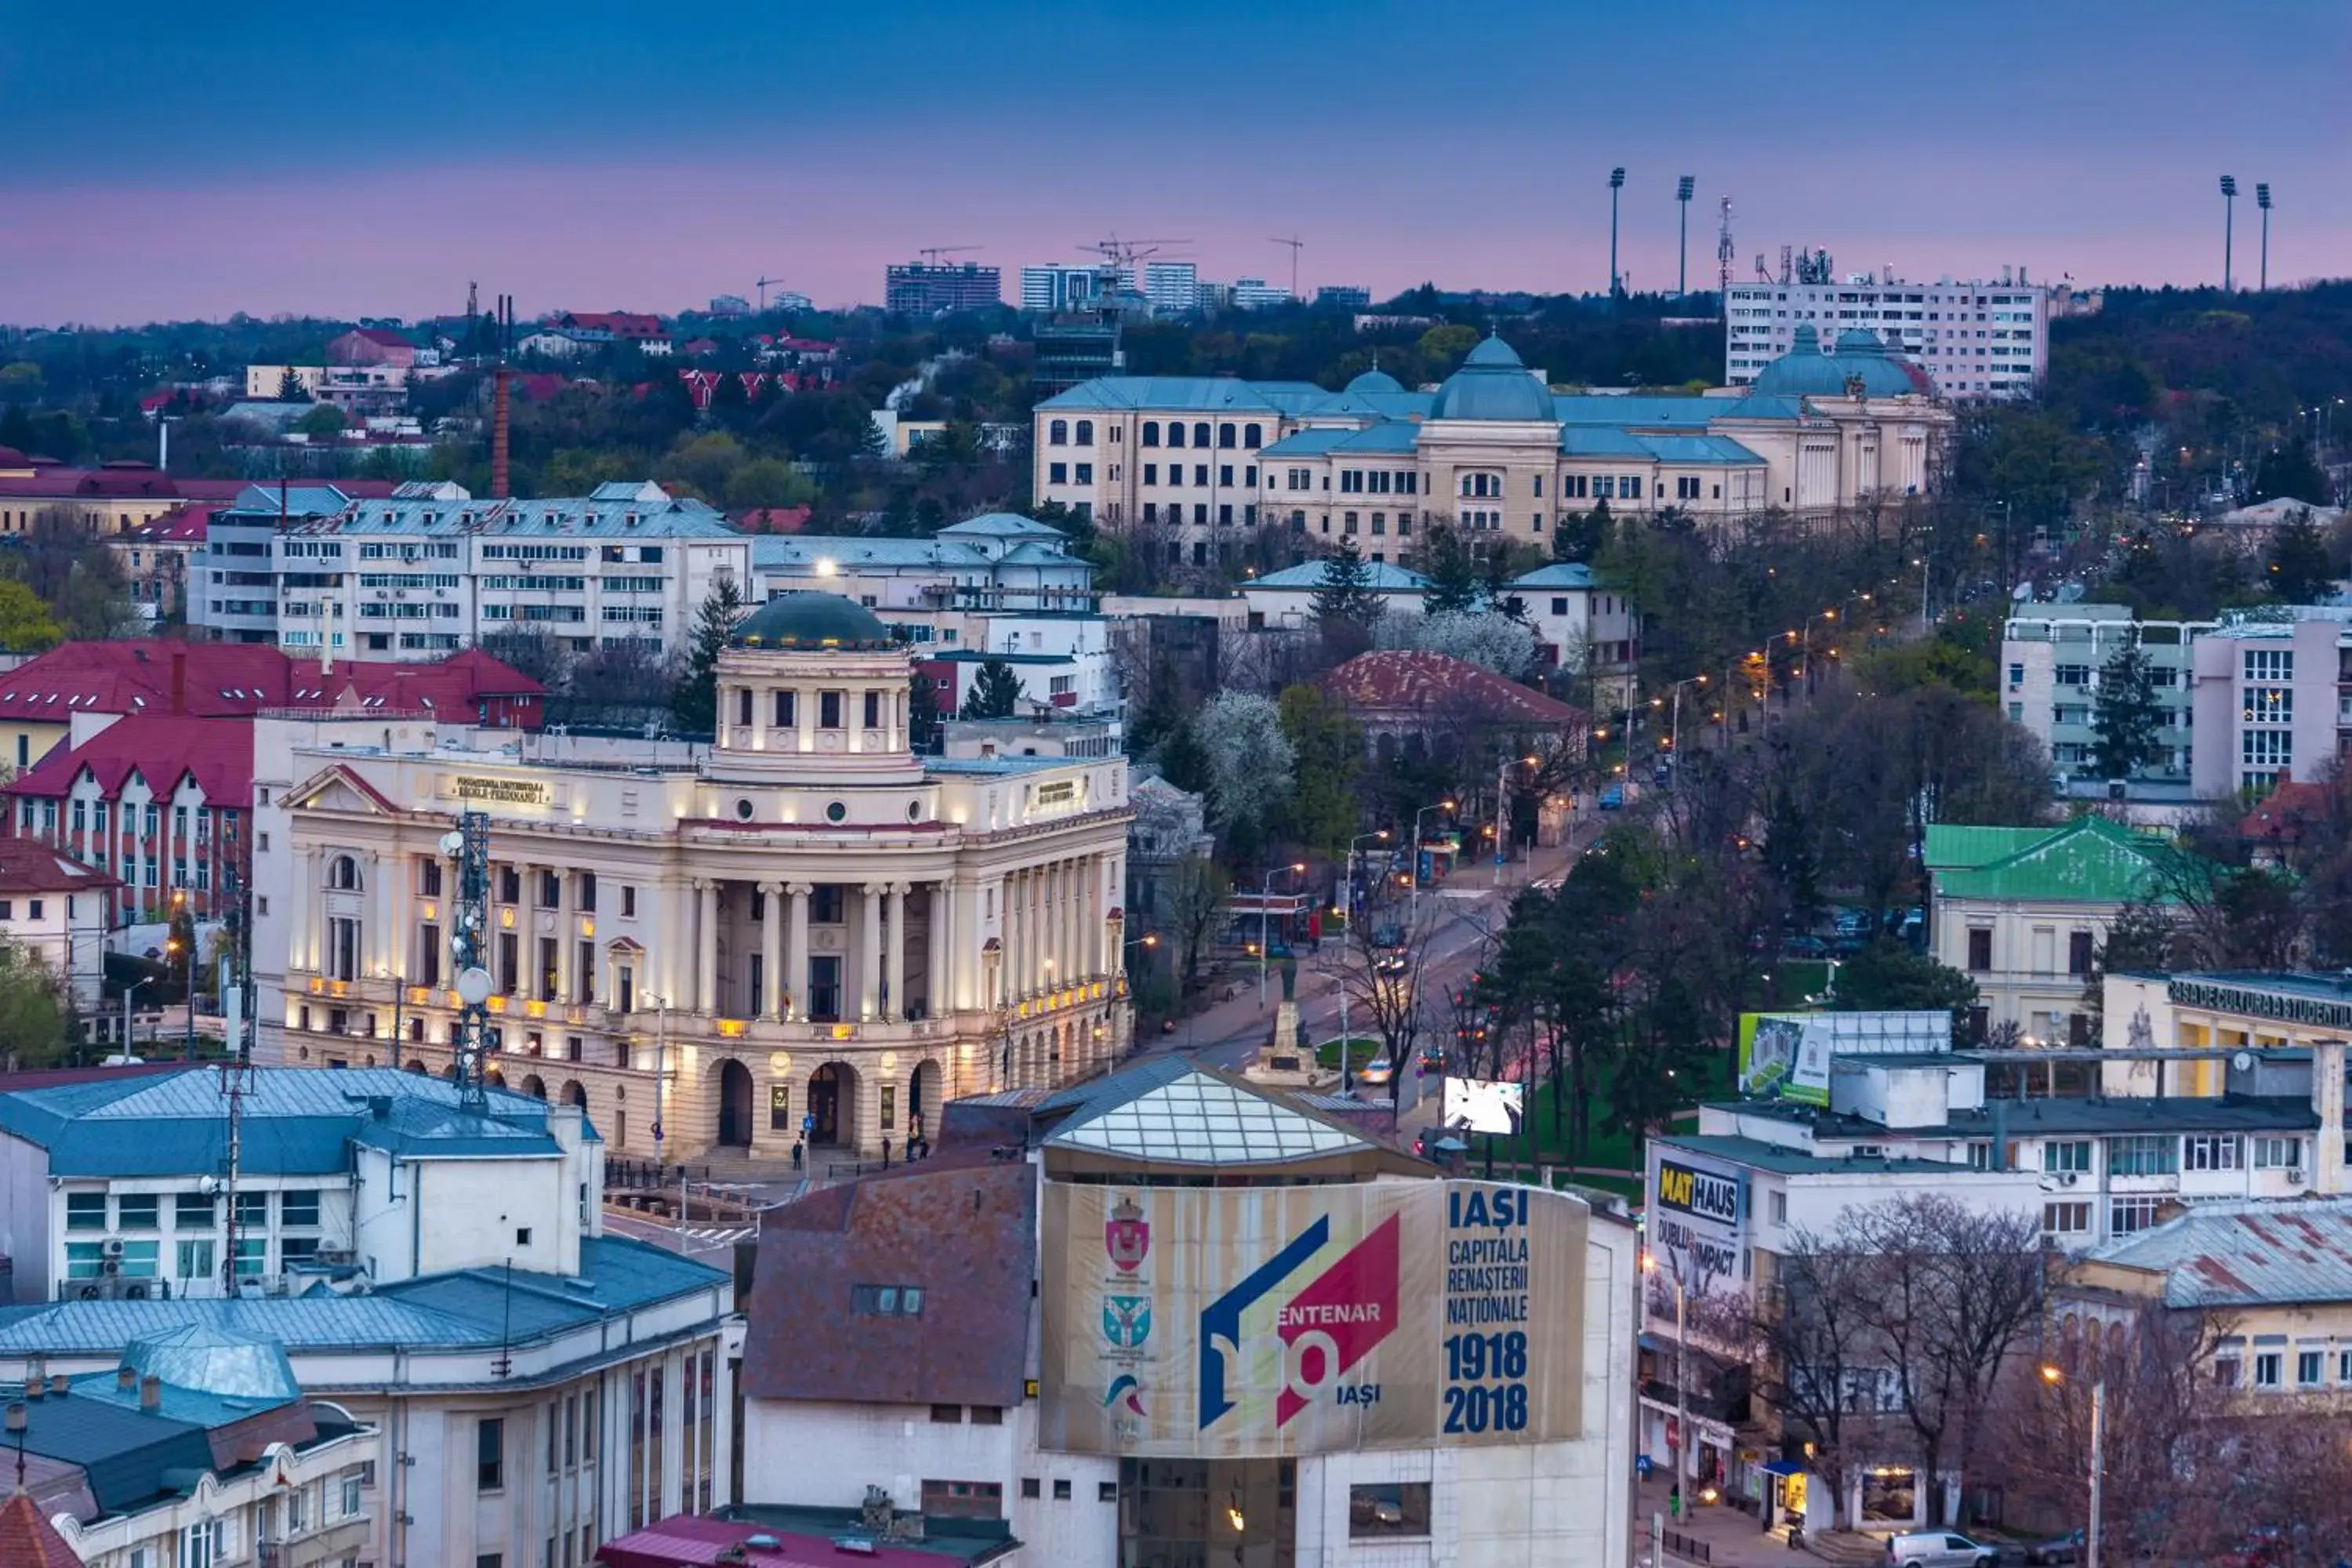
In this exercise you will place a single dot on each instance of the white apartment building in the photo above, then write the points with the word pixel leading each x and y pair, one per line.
pixel 802 933
pixel 1978 341
pixel 2271 695
pixel 431 570
pixel 1173 288
pixel 444 1277
pixel 1052 288
pixel 2050 657
pixel 997 560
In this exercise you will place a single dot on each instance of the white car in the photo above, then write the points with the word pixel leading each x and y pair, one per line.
pixel 1377 1071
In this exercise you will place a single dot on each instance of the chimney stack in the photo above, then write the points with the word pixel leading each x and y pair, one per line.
pixel 500 488
pixel 126 1378
pixel 150 1394
pixel 59 1384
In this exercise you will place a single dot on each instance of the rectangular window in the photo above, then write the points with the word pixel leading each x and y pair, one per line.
pixel 2065 1219
pixel 2310 1368
pixel 964 1499
pixel 2269 1368
pixel 828 710
pixel 2143 1154
pixel 196 1260
pixel 2129 1216
pixel 1979 949
pixel 890 1105
pixel 2068 1156
pixel 2078 953
pixel 193 1211
pixel 2210 1154
pixel 1387 1510
pixel 2278 1153
pixel 85 1211
pixel 299 1207
pixel 350 1490
pixel 489 1455
pixel 83 1260
pixel 2269 665
pixel 135 1211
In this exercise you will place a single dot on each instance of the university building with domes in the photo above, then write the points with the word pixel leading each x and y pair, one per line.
pixel 800 931
pixel 1191 466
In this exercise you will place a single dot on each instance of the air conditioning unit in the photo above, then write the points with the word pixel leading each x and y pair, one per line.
pixel 2294 1175
pixel 137 1290
pixel 111 1247
pixel 2068 1178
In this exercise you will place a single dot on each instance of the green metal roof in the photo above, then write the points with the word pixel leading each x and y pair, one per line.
pixel 1493 385
pixel 2089 860
pixel 808 619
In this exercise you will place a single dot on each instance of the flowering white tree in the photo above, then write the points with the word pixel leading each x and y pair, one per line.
pixel 1488 638
pixel 1249 757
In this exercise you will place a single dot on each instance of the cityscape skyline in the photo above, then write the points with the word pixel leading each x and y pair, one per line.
pixel 1481 167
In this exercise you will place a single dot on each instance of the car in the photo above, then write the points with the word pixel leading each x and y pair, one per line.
pixel 1388 936
pixel 1391 961
pixel 2066 1548
pixel 1613 798
pixel 1377 1071
pixel 1804 947
pixel 1939 1549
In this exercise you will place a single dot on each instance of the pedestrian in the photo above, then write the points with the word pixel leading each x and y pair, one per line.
pixel 796 1153
pixel 886 1153
pixel 1674 1501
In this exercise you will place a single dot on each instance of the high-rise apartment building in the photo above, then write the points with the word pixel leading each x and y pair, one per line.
pixel 935 289
pixel 1054 286
pixel 1172 286
pixel 1978 342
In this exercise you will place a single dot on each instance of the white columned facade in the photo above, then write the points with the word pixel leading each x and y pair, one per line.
pixel 706 953
pixel 942 999
pixel 772 985
pixel 793 985
pixel 869 956
pixel 895 1005
pixel 566 982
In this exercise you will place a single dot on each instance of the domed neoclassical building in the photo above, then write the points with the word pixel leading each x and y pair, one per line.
pixel 1191 466
pixel 804 929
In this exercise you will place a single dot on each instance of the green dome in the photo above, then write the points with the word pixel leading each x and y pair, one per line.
pixel 1375 381
pixel 1806 372
pixel 1493 384
pixel 812 620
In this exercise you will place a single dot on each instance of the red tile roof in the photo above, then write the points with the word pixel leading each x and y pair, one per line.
pixel 2283 814
pixel 160 749
pixel 135 481
pixel 29 868
pixel 183 524
pixel 620 323
pixel 1394 682
pixel 384 335
pixel 29 1541
pixel 222 680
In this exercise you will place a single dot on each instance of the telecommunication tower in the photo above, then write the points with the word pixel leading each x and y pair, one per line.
pixel 1723 256
pixel 468 847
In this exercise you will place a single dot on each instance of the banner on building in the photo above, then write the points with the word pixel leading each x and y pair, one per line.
pixel 1237 1323
pixel 1477 1105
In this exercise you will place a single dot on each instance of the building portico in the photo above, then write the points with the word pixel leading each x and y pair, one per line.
pixel 802 932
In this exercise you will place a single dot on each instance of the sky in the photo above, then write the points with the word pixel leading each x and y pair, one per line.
pixel 162 161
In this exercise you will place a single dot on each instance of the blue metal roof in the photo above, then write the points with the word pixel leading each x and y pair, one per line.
pixel 299 1121
pixel 1309 575
pixel 1586 408
pixel 1309 443
pixel 1559 574
pixel 605 515
pixel 1698 449
pixel 1600 441
pixel 1188 393
pixel 1002 525
pixel 471 1308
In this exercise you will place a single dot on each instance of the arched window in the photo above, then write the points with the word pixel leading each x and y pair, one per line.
pixel 1152 432
pixel 343 874
pixel 1086 432
pixel 1250 433
pixel 1199 433
pixel 1057 433
pixel 1225 433
pixel 1175 432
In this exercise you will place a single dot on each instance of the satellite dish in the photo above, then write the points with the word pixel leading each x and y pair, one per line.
pixel 453 844
pixel 474 986
pixel 2243 1062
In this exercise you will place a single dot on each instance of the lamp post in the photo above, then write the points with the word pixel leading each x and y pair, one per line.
pixel 1265 897
pixel 129 992
pixel 1381 835
pixel 2262 200
pixel 1681 1445
pixel 2052 1375
pixel 1683 188
pixel 1616 184
pixel 2229 225
pixel 1425 811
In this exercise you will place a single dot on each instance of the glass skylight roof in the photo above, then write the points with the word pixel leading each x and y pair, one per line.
pixel 1204 1120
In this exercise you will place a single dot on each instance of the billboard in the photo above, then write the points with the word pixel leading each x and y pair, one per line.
pixel 1484 1107
pixel 1782 1058
pixel 1698 1215
pixel 1252 1323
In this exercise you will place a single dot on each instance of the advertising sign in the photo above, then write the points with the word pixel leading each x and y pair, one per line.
pixel 1241 1323
pixel 1781 1057
pixel 1484 1107
pixel 1697 1218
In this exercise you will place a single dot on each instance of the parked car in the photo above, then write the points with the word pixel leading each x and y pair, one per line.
pixel 1939 1549
pixel 2066 1548
pixel 1804 947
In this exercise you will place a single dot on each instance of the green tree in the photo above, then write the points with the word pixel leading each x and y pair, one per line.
pixel 1453 585
pixel 1328 749
pixel 95 606
pixel 322 423
pixel 2128 717
pixel 290 387
pixel 26 623
pixel 922 711
pixel 37 1021
pixel 2300 573
pixel 996 693
pixel 767 482
pixel 694 700
pixel 1346 604
pixel 2290 472
pixel 1888 976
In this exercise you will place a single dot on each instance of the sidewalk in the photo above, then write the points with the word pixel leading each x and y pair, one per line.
pixel 1734 1538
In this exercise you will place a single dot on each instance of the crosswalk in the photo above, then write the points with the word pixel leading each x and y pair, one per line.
pixel 719 1235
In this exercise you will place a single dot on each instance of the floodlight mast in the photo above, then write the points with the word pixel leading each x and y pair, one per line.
pixel 469 848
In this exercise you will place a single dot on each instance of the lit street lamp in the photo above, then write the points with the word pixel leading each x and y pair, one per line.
pixel 1616 184
pixel 2054 1376
pixel 2229 223
pixel 1683 188
pixel 2262 200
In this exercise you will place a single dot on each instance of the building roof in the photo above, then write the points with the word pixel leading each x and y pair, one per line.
pixel 1187 394
pixel 799 1538
pixel 183 524
pixel 1782 1160
pixel 1374 380
pixel 27 867
pixel 158 748
pixel 806 620
pixel 1413 681
pixel 382 335
pixel 299 1121
pixel 1572 574
pixel 28 1539
pixel 1383 577
pixel 225 680
pixel 964 1235
pixel 2266 1253
pixel 1806 372
pixel 1002 525
pixel 1197 1118
pixel 2087 860
pixel 210 1360
pixel 469 1310
pixel 2292 805
pixel 1493 385
pixel 622 510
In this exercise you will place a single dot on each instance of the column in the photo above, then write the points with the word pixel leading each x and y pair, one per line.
pixel 869 962
pixel 760 701
pixel 383 949
pixel 897 951
pixel 304 908
pixel 706 951
pixel 771 941
pixel 942 991
pixel 567 937
pixel 792 984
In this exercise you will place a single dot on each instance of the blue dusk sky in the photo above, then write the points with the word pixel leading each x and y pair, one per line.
pixel 164 161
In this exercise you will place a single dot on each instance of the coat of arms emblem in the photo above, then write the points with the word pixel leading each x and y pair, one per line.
pixel 1127 1236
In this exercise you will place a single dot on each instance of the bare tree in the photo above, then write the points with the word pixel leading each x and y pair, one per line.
pixel 1818 1365
pixel 1383 981
pixel 1197 892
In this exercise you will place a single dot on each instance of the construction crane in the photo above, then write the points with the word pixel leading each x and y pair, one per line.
pixel 1128 252
pixel 1297 244
pixel 931 253
pixel 764 285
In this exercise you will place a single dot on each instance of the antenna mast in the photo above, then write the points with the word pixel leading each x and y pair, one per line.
pixel 236 1082
pixel 1723 259
pixel 470 847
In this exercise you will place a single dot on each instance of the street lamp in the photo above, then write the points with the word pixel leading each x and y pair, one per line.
pixel 1265 897
pixel 2229 223
pixel 1616 184
pixel 129 992
pixel 1681 1445
pixel 1683 188
pixel 2054 1376
pixel 1425 811
pixel 2262 200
